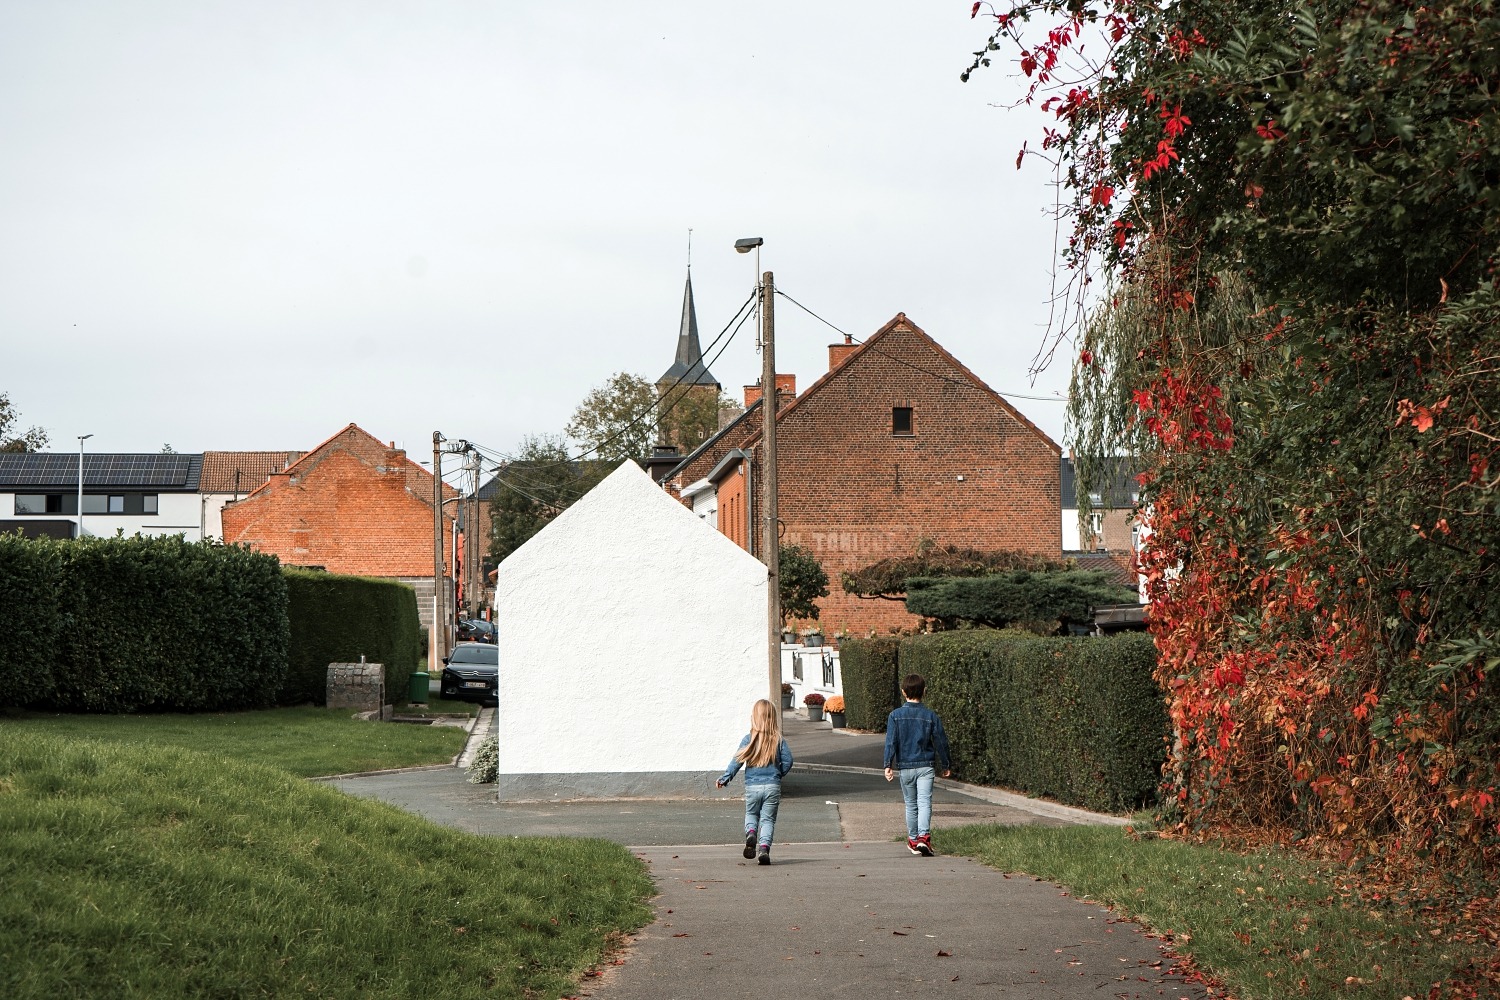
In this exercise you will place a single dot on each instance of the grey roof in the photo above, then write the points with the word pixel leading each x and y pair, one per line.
pixel 47 470
pixel 688 368
pixel 1122 492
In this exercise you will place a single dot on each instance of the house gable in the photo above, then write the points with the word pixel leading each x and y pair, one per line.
pixel 583 608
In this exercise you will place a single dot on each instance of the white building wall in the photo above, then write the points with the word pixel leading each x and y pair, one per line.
pixel 589 706
pixel 1072 538
pixel 177 514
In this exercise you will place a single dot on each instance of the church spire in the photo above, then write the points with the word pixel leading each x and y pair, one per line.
pixel 688 368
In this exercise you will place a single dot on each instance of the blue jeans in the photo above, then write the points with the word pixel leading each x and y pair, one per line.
pixel 916 789
pixel 761 803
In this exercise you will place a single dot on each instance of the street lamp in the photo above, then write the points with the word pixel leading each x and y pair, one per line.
pixel 81 438
pixel 771 545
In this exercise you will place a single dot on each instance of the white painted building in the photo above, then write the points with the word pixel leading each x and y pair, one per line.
pixel 590 706
pixel 146 494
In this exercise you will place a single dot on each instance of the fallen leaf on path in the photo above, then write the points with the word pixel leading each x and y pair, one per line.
pixel 944 954
pixel 900 933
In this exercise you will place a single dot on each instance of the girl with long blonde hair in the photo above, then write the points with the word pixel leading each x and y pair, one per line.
pixel 766 759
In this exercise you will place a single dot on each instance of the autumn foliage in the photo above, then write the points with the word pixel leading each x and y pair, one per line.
pixel 1296 212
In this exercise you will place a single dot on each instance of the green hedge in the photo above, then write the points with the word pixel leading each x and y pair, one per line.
pixel 872 681
pixel 133 624
pixel 1075 719
pixel 338 619
pixel 30 588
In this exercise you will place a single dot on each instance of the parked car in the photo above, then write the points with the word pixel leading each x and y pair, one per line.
pixel 472 672
pixel 475 630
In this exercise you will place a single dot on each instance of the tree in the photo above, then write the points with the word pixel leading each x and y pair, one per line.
pixel 887 578
pixel 542 481
pixel 616 420
pixel 623 418
pixel 802 582
pixel 13 439
pixel 1040 602
pixel 690 415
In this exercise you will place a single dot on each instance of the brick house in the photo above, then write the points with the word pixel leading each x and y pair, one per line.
pixel 354 505
pixel 896 443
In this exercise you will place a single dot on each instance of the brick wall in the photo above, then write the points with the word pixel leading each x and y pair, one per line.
pixel 348 507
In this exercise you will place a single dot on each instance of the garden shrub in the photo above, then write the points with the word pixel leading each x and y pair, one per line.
pixel 338 619
pixel 1013 597
pixel 1074 719
pixel 872 682
pixel 134 624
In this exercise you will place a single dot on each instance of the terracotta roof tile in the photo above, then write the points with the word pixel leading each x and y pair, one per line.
pixel 242 471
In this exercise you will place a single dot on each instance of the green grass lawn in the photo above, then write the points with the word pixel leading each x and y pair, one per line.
pixel 135 868
pixel 1270 924
pixel 304 741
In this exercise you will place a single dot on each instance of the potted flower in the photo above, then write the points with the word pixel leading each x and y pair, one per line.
pixel 835 709
pixel 788 637
pixel 814 703
pixel 786 695
pixel 813 636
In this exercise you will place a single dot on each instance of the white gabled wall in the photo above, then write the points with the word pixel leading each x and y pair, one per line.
pixel 585 610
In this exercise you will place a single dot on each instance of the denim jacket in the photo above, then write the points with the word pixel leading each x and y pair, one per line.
pixel 914 737
pixel 771 774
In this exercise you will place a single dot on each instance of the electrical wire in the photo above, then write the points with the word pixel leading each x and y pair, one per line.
pixel 517 483
pixel 901 361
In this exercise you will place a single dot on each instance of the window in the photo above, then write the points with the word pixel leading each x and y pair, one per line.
pixel 148 503
pixel 901 420
pixel 32 503
pixel 117 504
pixel 95 503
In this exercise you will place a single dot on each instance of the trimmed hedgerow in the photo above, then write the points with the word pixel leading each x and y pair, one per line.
pixel 30 582
pixel 338 619
pixel 132 624
pixel 1075 719
pixel 872 682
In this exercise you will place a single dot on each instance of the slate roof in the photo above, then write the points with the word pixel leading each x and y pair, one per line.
pixel 688 368
pixel 101 470
pixel 242 471
pixel 1122 492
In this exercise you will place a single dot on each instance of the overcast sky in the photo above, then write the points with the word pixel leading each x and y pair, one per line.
pixel 245 225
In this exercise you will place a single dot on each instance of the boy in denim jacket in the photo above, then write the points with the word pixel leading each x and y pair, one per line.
pixel 914 745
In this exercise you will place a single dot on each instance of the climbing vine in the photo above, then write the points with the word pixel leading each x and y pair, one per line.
pixel 1295 210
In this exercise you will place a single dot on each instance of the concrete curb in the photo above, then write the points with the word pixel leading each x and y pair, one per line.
pixel 1000 797
pixel 389 770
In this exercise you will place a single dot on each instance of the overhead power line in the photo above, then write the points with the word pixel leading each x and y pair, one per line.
pixel 915 367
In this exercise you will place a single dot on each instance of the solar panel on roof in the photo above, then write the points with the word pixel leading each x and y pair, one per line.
pixel 104 470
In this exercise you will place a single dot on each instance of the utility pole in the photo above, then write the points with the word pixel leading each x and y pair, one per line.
pixel 772 540
pixel 471 538
pixel 437 636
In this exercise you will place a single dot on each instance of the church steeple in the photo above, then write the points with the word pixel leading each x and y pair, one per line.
pixel 688 368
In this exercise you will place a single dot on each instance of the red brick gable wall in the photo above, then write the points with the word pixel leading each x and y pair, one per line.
pixel 336 509
pixel 854 493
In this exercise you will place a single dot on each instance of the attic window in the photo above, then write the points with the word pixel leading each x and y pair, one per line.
pixel 901 421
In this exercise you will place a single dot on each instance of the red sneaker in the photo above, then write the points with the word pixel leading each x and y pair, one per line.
pixel 923 845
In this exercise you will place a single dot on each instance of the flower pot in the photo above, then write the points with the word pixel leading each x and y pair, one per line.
pixel 786 700
pixel 789 638
pixel 836 720
pixel 813 639
pixel 814 713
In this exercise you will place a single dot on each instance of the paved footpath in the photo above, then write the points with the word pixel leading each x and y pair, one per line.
pixel 844 910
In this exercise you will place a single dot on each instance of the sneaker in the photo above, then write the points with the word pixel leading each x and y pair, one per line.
pixel 750 844
pixel 911 845
pixel 764 857
pixel 924 845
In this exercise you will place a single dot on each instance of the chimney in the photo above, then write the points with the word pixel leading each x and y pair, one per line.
pixel 786 388
pixel 838 352
pixel 752 393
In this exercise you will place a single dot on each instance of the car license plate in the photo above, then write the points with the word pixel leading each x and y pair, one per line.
pixel 475 684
